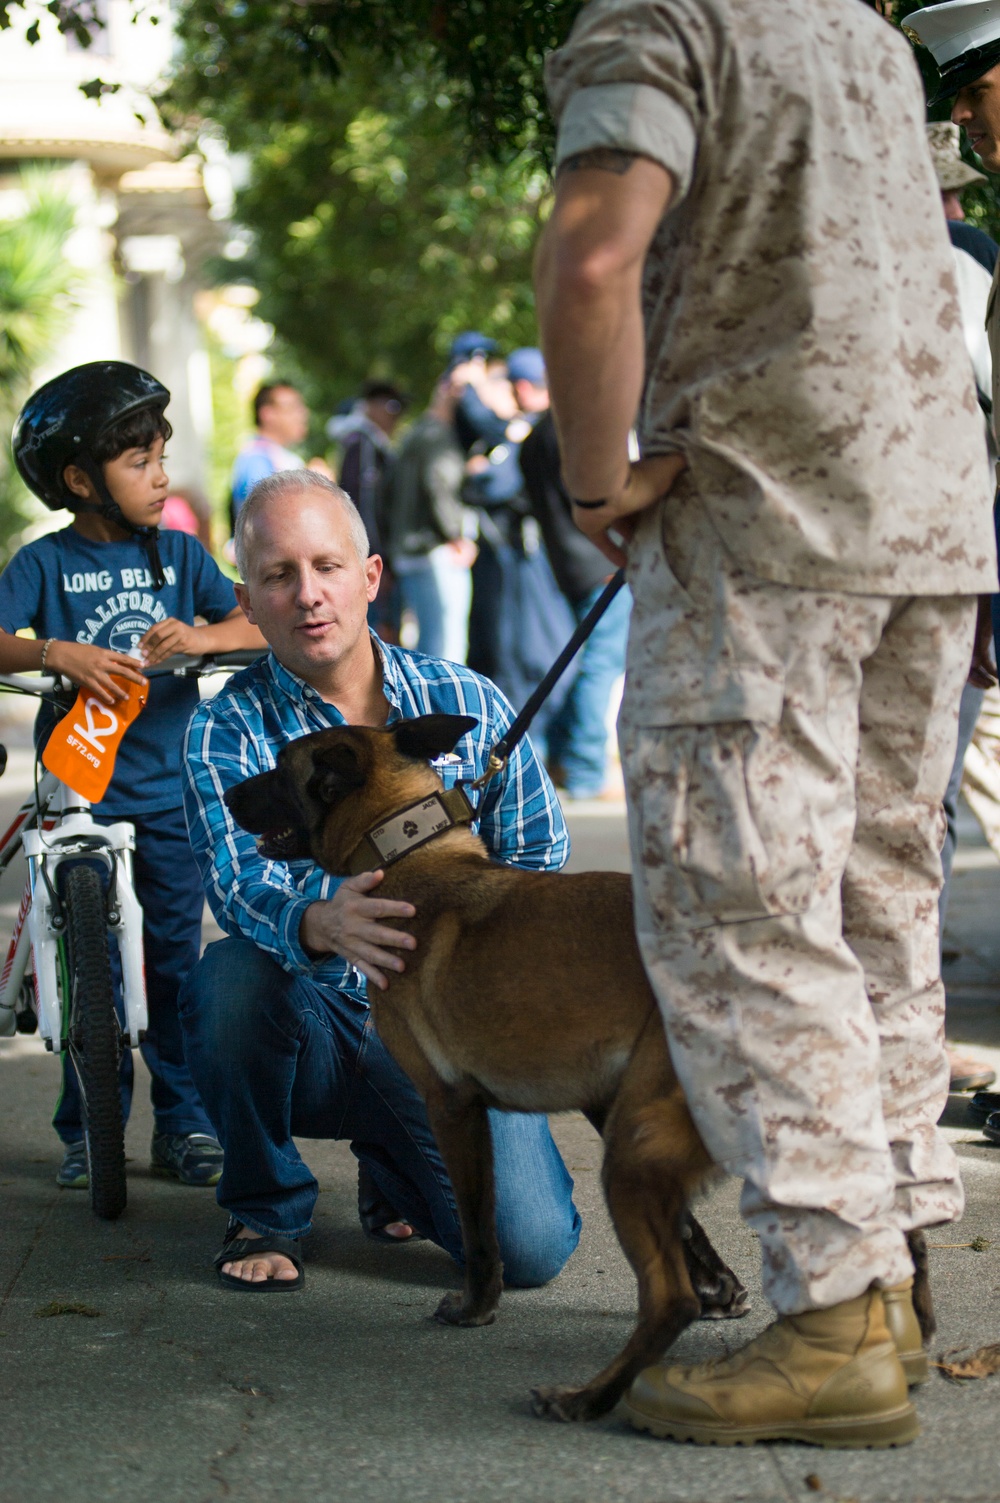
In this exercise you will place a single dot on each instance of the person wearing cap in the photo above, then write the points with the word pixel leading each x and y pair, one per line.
pixel 731 268
pixel 954 174
pixel 365 437
pixel 520 620
pixel 428 530
pixel 475 418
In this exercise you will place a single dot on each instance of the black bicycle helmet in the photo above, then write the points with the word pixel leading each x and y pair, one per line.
pixel 63 420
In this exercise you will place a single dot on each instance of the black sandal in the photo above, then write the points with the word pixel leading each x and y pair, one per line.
pixel 234 1248
pixel 375 1213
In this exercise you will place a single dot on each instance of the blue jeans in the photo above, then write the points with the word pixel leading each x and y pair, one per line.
pixel 168 885
pixel 578 736
pixel 276 1055
pixel 419 588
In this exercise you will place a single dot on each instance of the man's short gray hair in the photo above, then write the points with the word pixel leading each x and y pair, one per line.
pixel 288 483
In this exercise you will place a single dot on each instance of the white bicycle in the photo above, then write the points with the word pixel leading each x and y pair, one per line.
pixel 78 912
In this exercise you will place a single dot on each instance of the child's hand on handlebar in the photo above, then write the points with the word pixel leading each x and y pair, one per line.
pixel 168 638
pixel 91 668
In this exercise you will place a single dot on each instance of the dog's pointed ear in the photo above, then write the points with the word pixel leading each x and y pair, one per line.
pixel 431 735
pixel 337 771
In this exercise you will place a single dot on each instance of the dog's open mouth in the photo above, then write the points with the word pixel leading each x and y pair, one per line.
pixel 283 843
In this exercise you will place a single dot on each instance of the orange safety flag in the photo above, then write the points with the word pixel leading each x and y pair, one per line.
pixel 82 748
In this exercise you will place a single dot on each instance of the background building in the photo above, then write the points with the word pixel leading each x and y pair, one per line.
pixel 145 225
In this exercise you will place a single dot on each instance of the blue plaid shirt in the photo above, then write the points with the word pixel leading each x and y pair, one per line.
pixel 240 732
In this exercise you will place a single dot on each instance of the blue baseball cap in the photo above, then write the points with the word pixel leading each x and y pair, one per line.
pixel 527 365
pixel 465 346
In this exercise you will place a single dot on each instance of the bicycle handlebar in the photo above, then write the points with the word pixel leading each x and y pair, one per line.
pixel 178 666
pixel 185 667
pixel 30 683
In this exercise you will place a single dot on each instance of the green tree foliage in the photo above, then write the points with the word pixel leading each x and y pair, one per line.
pixel 375 239
pixel 488 54
pixel 398 155
pixel 37 287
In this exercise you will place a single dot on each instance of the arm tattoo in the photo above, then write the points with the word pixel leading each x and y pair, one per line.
pixel 603 158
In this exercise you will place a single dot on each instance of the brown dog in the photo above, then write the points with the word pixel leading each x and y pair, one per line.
pixel 526 992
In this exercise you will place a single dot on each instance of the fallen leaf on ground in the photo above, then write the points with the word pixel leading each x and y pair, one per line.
pixel 66 1307
pixel 981 1364
pixel 815 1485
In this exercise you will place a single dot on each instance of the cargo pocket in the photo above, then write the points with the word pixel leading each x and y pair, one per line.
pixel 725 830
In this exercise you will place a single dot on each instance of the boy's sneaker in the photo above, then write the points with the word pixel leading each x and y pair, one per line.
pixel 192 1157
pixel 73 1169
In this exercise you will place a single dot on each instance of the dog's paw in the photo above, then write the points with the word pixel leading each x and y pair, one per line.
pixel 735 1309
pixel 566 1404
pixel 452 1311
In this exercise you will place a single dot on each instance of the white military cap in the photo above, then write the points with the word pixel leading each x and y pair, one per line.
pixel 964 38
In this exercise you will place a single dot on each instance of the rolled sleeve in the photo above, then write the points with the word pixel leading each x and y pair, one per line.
pixel 632 117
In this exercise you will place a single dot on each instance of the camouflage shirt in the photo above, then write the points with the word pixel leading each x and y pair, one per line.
pixel 804 341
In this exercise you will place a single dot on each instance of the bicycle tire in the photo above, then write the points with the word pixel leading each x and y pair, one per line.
pixel 95 1038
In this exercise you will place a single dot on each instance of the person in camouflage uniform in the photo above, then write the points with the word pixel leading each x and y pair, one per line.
pixel 734 258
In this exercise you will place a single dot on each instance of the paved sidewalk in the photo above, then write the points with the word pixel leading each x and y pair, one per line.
pixel 177 1392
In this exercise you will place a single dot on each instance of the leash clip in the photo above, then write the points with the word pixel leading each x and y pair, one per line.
pixel 494 765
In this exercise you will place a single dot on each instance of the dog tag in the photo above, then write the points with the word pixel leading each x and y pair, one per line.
pixel 412 827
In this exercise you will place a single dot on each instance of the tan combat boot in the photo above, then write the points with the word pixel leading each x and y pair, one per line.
pixel 904 1329
pixel 829 1377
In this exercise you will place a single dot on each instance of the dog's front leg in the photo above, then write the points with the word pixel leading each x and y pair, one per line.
pixel 462 1130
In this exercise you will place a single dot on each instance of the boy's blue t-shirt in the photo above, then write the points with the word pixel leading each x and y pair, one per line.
pixel 65 586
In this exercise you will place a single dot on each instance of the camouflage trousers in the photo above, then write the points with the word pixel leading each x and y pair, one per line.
pixel 786 753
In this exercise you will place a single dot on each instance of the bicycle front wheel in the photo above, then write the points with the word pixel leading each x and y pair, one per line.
pixel 95 1038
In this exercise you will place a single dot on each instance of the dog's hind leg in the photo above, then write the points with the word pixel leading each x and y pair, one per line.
pixel 722 1295
pixel 647 1193
pixel 462 1130
pixel 923 1305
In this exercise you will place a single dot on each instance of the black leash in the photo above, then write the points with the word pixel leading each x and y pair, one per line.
pixel 498 757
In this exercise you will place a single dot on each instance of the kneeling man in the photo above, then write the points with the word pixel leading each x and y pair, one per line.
pixel 278 1034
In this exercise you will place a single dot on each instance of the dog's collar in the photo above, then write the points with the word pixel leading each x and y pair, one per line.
pixel 409 828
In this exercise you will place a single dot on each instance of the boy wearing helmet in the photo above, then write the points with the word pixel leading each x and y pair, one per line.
pixel 107 586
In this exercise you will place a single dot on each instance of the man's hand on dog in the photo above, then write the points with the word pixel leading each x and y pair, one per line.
pixel 348 925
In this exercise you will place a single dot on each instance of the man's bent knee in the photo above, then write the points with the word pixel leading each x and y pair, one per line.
pixel 233 984
pixel 539 1248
